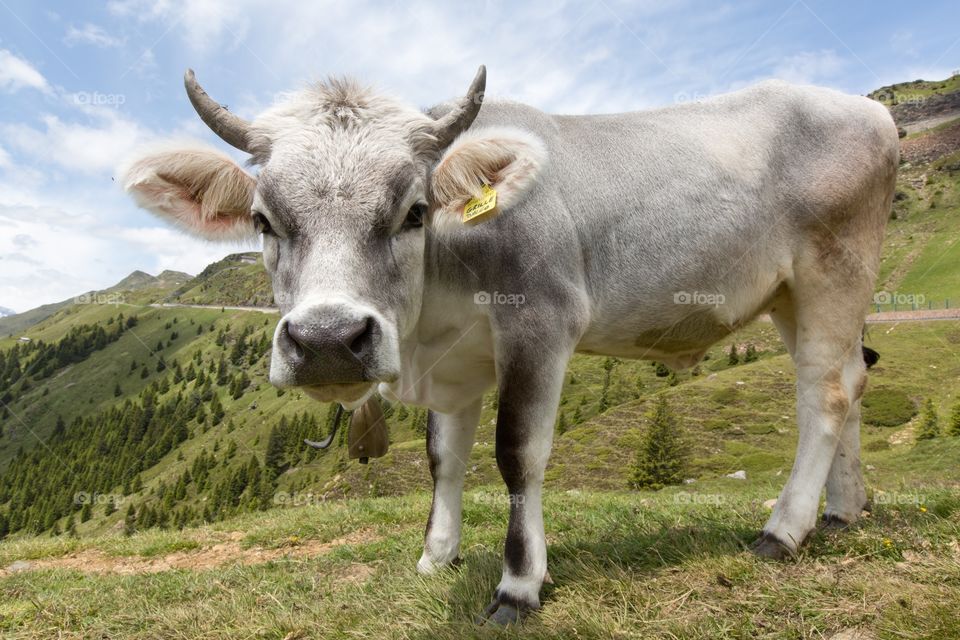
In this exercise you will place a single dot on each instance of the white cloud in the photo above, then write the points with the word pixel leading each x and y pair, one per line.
pixel 48 254
pixel 4 158
pixel 16 73
pixel 810 67
pixel 84 148
pixel 91 34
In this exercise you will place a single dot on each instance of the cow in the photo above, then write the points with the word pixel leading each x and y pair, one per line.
pixel 649 235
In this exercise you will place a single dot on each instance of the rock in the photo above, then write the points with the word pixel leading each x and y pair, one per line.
pixel 770 504
pixel 870 467
pixel 19 565
pixel 738 475
pixel 853 634
pixel 689 480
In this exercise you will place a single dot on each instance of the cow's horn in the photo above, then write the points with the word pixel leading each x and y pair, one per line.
pixel 461 116
pixel 233 130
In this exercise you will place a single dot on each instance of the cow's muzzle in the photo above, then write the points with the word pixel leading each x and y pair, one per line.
pixel 335 346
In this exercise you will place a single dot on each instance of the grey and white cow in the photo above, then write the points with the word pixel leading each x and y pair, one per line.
pixel 772 200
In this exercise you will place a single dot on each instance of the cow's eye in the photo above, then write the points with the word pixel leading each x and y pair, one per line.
pixel 415 216
pixel 261 224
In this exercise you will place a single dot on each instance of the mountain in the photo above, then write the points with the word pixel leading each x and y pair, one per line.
pixel 5 311
pixel 167 413
pixel 17 323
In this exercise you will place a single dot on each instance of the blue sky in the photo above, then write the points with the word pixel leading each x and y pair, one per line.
pixel 83 84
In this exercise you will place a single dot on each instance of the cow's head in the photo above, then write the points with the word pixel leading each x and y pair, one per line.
pixel 347 180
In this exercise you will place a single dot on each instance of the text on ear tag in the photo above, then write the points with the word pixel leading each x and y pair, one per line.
pixel 480 209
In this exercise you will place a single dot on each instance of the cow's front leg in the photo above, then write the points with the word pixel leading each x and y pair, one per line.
pixel 530 384
pixel 449 440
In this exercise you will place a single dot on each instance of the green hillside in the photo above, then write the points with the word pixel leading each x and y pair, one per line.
pixel 915 90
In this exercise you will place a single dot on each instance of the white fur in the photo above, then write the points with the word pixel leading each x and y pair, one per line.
pixel 196 187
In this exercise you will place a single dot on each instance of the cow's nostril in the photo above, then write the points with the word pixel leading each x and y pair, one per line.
pixel 361 337
pixel 297 338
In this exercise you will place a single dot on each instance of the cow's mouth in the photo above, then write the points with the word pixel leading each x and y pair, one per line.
pixel 348 394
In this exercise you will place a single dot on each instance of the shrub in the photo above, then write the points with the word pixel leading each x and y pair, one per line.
pixel 929 422
pixel 887 408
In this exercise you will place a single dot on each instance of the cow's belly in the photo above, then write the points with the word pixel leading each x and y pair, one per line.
pixel 678 331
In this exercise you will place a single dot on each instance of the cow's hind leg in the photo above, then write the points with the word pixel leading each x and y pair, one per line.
pixel 846 492
pixel 827 322
pixel 449 440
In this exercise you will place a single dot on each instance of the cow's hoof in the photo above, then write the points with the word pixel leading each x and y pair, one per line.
pixel 503 611
pixel 771 547
pixel 833 521
pixel 501 615
pixel 427 567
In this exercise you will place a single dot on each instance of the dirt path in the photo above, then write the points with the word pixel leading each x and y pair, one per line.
pixel 222 553
pixel 175 305
pixel 919 315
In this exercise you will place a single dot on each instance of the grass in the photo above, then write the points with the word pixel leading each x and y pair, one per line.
pixel 625 565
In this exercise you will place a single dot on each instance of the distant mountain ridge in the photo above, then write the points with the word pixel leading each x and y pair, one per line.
pixel 14 323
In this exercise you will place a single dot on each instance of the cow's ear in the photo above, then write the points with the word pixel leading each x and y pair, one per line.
pixel 508 160
pixel 199 189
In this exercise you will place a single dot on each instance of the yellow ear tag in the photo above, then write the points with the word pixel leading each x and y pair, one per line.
pixel 480 209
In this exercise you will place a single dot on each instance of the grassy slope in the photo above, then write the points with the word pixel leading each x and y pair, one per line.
pixel 625 565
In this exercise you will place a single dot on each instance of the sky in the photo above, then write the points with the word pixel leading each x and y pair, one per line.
pixel 83 85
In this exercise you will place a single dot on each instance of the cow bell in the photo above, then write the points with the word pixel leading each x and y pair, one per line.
pixel 368 436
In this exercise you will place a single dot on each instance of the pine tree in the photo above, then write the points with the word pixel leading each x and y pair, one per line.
pixel 733 357
pixel 929 422
pixel 955 421
pixel 117 391
pixel 275 449
pixel 130 521
pixel 562 423
pixel 662 457
pixel 217 412
pixel 750 355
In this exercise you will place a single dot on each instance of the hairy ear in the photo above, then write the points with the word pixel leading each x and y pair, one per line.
pixel 507 159
pixel 197 188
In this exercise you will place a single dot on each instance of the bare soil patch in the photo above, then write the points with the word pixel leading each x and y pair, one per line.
pixel 222 553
